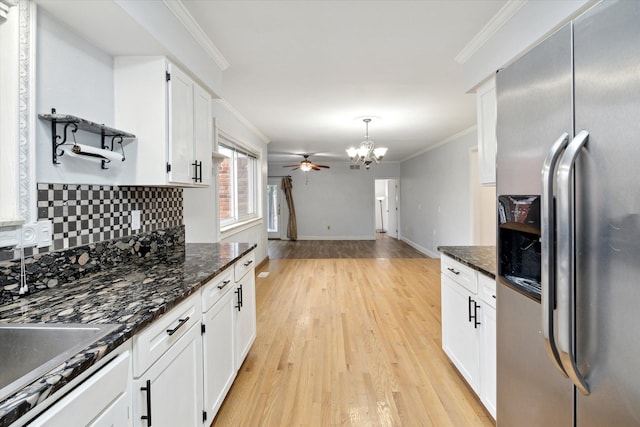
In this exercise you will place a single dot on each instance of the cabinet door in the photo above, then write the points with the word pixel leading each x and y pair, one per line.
pixel 245 316
pixel 218 353
pixel 487 116
pixel 180 127
pixel 488 359
pixel 175 383
pixel 202 128
pixel 459 337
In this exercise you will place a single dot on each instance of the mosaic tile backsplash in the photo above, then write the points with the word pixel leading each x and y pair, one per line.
pixel 92 230
pixel 83 214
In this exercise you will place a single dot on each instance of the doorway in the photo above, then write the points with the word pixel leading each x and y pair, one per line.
pixel 386 207
pixel 274 208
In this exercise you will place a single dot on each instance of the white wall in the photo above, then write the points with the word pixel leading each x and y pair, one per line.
pixel 336 203
pixel 76 78
pixel 201 219
pixel 435 198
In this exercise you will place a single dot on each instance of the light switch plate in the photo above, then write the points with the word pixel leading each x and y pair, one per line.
pixel 135 220
pixel 45 233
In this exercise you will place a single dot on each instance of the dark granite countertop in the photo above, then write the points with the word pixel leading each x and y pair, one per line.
pixel 480 258
pixel 132 295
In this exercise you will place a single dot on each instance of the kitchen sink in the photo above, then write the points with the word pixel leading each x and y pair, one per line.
pixel 28 351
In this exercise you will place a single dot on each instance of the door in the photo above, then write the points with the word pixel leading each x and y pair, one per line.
pixel 245 320
pixel 180 127
pixel 607 90
pixel 274 201
pixel 392 208
pixel 534 96
pixel 202 131
pixel 176 386
pixel 459 336
pixel 218 352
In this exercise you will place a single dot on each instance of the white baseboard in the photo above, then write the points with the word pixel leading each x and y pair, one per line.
pixel 424 250
pixel 369 237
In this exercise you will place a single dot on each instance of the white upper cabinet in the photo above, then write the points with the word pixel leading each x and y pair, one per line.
pixel 171 116
pixel 487 114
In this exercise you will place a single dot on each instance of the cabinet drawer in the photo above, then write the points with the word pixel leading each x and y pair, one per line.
pixel 216 287
pixel 102 400
pixel 487 289
pixel 158 337
pixel 243 265
pixel 460 273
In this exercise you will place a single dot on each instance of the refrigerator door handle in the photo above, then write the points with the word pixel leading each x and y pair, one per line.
pixel 548 297
pixel 565 273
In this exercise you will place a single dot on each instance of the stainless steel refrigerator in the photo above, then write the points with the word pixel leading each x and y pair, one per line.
pixel 568 181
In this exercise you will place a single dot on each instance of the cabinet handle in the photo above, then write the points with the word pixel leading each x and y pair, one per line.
pixel 200 171
pixel 248 263
pixel 239 292
pixel 195 171
pixel 469 309
pixel 148 416
pixel 474 316
pixel 225 283
pixel 241 296
pixel 453 270
pixel 181 323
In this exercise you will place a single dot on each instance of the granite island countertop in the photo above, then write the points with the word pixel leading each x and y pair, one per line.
pixel 131 295
pixel 480 258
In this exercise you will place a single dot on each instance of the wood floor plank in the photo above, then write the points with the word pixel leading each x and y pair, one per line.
pixel 349 342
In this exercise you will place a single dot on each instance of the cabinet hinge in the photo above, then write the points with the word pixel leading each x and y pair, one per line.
pixel 203 328
pixel 168 167
pixel 168 76
pixel 204 416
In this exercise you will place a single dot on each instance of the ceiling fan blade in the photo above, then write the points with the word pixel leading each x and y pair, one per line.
pixel 296 168
pixel 290 166
pixel 323 166
pixel 315 168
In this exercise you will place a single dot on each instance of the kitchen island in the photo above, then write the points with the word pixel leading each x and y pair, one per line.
pixel 132 295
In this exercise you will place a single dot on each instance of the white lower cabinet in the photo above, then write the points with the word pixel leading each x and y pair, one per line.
pixel 218 341
pixel 169 393
pixel 469 327
pixel 103 400
pixel 245 320
pixel 460 339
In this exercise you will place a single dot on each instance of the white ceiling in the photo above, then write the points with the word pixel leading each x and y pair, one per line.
pixel 303 71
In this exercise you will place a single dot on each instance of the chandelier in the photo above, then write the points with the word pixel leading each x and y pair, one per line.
pixel 366 153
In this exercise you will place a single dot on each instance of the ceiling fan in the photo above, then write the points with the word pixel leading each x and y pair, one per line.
pixel 306 165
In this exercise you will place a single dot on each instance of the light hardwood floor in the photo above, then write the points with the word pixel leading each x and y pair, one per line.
pixel 349 342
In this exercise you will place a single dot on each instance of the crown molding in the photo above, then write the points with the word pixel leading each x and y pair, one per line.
pixel 493 26
pixel 186 19
pixel 238 115
pixel 443 142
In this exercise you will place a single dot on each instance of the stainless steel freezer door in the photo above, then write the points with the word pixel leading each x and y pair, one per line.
pixel 535 101
pixel 607 105
pixel 531 393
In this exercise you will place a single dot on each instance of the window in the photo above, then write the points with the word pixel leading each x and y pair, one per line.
pixel 237 184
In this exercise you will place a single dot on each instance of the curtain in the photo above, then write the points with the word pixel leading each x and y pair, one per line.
pixel 292 226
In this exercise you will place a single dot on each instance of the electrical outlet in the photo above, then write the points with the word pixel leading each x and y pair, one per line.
pixel 135 220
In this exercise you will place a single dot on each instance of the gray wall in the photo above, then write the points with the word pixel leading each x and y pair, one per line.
pixel 336 204
pixel 435 196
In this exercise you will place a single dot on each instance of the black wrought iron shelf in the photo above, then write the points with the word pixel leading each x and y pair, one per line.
pixel 74 124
